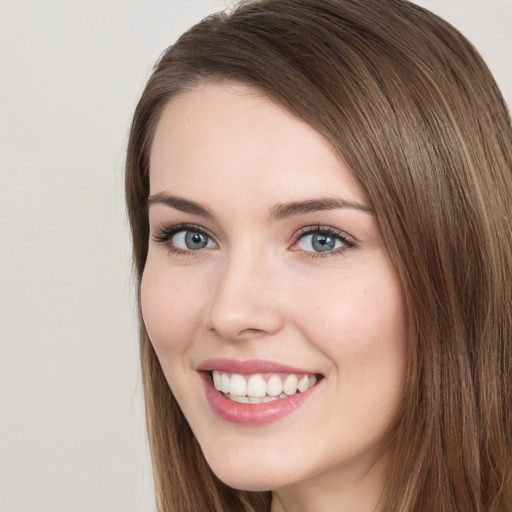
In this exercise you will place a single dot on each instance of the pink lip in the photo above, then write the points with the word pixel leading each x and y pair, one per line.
pixel 251 414
pixel 249 366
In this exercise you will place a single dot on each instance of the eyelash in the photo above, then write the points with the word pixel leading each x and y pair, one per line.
pixel 166 234
pixel 348 243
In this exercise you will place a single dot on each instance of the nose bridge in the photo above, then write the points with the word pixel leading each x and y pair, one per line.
pixel 245 302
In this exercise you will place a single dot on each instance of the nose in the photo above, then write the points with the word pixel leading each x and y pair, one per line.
pixel 246 301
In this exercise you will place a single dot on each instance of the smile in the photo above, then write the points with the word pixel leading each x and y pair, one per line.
pixel 256 392
pixel 261 388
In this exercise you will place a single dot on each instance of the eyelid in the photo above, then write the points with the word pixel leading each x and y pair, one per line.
pixel 326 229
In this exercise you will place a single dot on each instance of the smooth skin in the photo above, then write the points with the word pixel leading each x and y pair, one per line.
pixel 247 278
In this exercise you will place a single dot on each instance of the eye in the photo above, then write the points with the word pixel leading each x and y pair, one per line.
pixel 322 240
pixel 184 239
pixel 319 242
pixel 189 240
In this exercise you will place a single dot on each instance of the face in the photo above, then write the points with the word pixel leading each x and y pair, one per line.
pixel 268 294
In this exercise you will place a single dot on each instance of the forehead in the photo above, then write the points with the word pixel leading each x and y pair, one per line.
pixel 228 140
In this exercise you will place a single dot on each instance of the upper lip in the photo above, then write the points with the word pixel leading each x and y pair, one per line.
pixel 249 366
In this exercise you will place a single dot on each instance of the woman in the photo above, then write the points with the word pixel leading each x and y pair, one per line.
pixel 319 194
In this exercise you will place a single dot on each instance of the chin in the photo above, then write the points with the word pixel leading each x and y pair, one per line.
pixel 248 481
pixel 248 474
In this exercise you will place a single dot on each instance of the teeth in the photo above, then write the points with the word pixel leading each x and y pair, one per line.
pixel 217 380
pixel 274 386
pixel 238 385
pixel 225 383
pixel 259 400
pixel 241 399
pixel 303 383
pixel 290 384
pixel 256 386
pixel 255 389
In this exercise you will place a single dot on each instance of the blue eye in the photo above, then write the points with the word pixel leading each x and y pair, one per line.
pixel 184 238
pixel 319 242
pixel 189 240
pixel 322 241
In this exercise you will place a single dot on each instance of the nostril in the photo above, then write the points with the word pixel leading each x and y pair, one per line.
pixel 251 333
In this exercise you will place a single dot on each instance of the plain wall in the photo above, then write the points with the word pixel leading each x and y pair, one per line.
pixel 72 433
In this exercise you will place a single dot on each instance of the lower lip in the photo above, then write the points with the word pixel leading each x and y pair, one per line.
pixel 252 414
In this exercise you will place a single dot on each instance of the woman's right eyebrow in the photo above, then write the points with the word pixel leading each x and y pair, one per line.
pixel 178 203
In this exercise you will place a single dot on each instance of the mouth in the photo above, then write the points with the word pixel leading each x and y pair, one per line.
pixel 256 392
pixel 261 388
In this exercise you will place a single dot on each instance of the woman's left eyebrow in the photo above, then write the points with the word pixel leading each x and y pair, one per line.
pixel 282 211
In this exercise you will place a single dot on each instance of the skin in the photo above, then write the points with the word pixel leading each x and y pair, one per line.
pixel 256 292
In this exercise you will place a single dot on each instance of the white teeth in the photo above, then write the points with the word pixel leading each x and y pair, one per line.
pixel 225 383
pixel 303 383
pixel 261 400
pixel 257 389
pixel 274 386
pixel 256 386
pixel 241 399
pixel 217 380
pixel 238 385
pixel 290 385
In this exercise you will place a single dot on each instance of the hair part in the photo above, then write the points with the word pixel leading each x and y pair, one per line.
pixel 416 115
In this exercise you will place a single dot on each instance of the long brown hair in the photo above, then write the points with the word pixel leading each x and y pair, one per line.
pixel 416 115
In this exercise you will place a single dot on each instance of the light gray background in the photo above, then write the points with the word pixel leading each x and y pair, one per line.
pixel 71 419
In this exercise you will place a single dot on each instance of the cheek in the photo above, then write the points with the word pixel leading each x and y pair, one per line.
pixel 359 323
pixel 362 331
pixel 170 309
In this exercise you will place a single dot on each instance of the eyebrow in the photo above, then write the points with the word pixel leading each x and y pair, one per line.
pixel 282 211
pixel 178 203
pixel 278 212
